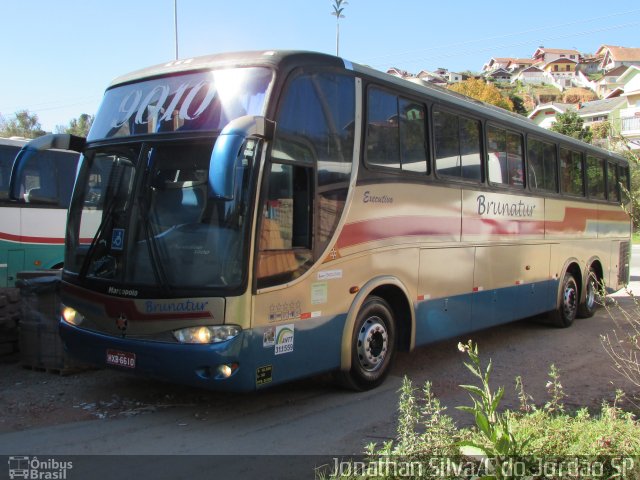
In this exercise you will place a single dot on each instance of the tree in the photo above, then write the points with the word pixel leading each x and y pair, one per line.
pixel 570 124
pixel 338 8
pixel 24 124
pixel 485 92
pixel 78 126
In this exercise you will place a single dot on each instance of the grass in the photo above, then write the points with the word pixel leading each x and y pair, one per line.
pixel 635 238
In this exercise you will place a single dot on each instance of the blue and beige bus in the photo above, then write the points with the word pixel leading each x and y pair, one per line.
pixel 242 220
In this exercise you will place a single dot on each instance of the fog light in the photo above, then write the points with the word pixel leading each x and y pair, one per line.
pixel 225 371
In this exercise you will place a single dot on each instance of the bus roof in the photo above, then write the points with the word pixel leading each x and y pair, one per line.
pixel 14 142
pixel 289 59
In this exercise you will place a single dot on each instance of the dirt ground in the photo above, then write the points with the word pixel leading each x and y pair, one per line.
pixel 32 398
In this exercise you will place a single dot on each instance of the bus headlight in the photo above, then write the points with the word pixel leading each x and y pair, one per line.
pixel 207 334
pixel 72 316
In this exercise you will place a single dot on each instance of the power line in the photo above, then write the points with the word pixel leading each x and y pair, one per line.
pixel 457 53
pixel 398 56
pixel 53 105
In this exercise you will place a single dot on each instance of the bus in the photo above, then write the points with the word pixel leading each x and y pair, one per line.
pixel 243 220
pixel 36 181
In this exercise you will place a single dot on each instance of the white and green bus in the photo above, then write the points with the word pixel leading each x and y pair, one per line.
pixel 242 220
pixel 35 189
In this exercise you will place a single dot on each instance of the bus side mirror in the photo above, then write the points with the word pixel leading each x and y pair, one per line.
pixel 47 142
pixel 229 147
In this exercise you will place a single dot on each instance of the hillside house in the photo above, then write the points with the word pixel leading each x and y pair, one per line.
pixel 629 121
pixel 547 55
pixel 609 81
pixel 591 112
pixel 496 63
pixel 544 115
pixel 613 57
pixel 450 77
pixel 432 77
pixel 519 64
pixel 499 75
pixel 562 70
pixel 589 65
pixel 531 75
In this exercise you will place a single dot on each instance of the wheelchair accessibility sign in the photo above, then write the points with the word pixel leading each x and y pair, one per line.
pixel 117 239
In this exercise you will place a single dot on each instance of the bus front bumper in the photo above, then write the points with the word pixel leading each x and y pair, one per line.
pixel 212 366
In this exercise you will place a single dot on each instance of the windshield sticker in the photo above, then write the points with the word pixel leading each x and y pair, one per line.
pixel 284 339
pixel 284 311
pixel 329 274
pixel 263 374
pixel 269 337
pixel 117 239
pixel 319 293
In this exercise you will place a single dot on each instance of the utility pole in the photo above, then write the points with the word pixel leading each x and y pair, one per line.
pixel 175 23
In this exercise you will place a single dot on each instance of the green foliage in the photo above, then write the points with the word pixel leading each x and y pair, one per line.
pixel 78 126
pixel 495 437
pixel 570 124
pixel 601 130
pixel 485 92
pixel 499 440
pixel 24 124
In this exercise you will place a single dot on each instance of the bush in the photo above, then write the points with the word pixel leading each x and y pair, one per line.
pixel 534 442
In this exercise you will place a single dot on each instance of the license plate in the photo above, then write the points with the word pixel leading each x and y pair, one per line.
pixel 121 359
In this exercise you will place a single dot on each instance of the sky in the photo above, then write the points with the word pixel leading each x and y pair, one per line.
pixel 59 56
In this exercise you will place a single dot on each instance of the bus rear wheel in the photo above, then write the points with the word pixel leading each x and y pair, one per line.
pixel 567 308
pixel 591 297
pixel 372 345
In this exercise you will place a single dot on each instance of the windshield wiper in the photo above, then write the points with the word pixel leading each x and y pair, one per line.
pixel 152 246
pixel 111 194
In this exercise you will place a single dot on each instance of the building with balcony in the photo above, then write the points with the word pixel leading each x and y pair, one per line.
pixel 629 119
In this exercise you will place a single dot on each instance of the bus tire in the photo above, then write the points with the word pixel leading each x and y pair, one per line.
pixel 588 308
pixel 567 308
pixel 373 346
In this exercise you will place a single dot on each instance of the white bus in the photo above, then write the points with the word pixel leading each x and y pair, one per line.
pixel 35 189
pixel 242 220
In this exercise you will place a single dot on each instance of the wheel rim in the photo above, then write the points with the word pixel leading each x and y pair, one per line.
pixel 569 301
pixel 590 298
pixel 373 340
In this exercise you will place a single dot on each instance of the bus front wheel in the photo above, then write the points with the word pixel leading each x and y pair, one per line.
pixel 567 308
pixel 372 345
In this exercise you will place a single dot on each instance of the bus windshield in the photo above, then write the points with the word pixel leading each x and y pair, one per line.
pixel 167 231
pixel 7 154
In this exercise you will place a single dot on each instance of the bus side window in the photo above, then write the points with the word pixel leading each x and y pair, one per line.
pixel 613 184
pixel 543 165
pixel 595 178
pixel 284 241
pixel 383 136
pixel 504 149
pixel 457 145
pixel 571 172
